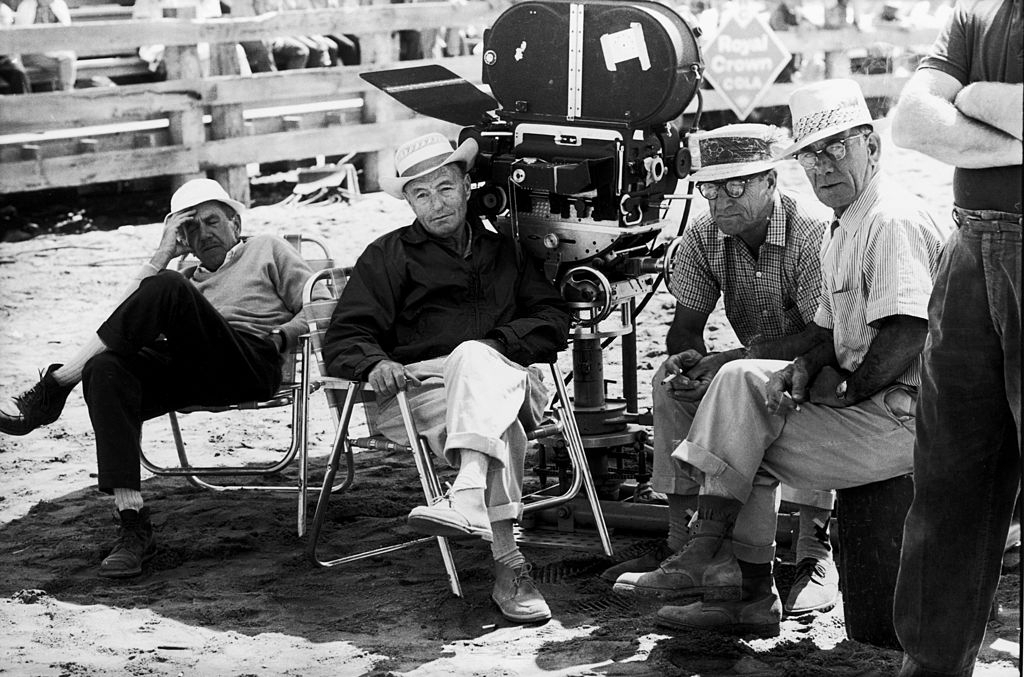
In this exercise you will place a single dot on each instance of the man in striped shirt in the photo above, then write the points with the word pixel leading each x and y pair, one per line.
pixel 759 249
pixel 842 413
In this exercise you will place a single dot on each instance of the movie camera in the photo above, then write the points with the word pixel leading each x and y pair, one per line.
pixel 578 158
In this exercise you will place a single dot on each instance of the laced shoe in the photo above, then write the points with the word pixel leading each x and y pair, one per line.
pixel 759 616
pixel 39 405
pixel 705 568
pixel 135 545
pixel 815 587
pixel 449 517
pixel 517 595
pixel 649 561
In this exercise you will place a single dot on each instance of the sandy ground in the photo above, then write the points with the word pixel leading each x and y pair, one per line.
pixel 230 592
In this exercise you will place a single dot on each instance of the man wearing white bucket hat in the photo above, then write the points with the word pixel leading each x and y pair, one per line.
pixel 446 309
pixel 842 413
pixel 224 326
pixel 760 249
pixel 964 107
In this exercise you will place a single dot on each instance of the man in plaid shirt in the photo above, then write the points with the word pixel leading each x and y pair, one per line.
pixel 760 250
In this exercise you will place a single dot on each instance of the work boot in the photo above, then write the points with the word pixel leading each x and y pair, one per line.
pixel 135 545
pixel 648 561
pixel 517 595
pixel 705 568
pixel 39 405
pixel 815 587
pixel 758 614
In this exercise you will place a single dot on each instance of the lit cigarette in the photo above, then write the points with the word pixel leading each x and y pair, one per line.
pixel 668 379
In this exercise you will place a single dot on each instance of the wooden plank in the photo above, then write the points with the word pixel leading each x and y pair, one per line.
pixel 355 20
pixel 86 168
pixel 307 143
pixel 84 106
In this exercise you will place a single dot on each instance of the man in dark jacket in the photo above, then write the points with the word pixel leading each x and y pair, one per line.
pixel 445 309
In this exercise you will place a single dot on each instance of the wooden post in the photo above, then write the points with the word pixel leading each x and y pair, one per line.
pixel 182 62
pixel 378 49
pixel 228 122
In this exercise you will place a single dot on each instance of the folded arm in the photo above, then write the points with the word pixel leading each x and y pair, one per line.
pixel 927 120
pixel 998 104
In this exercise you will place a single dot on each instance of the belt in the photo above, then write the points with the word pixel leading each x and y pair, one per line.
pixel 964 216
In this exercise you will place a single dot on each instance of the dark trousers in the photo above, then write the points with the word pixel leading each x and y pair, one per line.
pixel 967 456
pixel 168 348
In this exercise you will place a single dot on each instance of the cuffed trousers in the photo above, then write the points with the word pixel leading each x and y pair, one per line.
pixel 475 399
pixel 203 361
pixel 737 443
pixel 753 536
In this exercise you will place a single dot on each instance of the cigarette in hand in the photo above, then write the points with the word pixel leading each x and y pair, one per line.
pixel 668 379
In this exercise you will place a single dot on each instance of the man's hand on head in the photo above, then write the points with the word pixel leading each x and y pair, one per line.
pixel 173 242
pixel 388 377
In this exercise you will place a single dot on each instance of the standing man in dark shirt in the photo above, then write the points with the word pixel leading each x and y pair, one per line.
pixel 964 107
pixel 447 310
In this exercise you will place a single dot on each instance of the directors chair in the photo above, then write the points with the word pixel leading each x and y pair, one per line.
pixel 290 394
pixel 342 396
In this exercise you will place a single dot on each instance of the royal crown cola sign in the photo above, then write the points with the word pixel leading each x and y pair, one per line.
pixel 742 60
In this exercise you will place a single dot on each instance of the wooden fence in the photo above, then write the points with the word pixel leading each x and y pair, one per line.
pixel 190 126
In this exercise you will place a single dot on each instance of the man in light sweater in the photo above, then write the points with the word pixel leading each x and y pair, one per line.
pixel 214 335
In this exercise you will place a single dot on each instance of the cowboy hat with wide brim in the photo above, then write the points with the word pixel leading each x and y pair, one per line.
pixel 423 155
pixel 732 151
pixel 198 191
pixel 824 109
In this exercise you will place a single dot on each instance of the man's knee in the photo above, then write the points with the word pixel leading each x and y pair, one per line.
pixel 101 371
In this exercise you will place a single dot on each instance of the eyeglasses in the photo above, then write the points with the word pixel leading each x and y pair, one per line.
pixel 836 150
pixel 733 187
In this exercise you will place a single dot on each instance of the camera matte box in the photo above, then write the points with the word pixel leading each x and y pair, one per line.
pixel 632 64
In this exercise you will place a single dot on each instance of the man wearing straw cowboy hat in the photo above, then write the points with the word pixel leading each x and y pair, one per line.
pixel 446 309
pixel 842 413
pixel 964 107
pixel 760 249
pixel 224 328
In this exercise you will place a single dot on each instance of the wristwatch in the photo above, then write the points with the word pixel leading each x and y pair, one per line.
pixel 841 391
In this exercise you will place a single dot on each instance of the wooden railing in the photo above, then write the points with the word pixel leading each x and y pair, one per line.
pixel 190 125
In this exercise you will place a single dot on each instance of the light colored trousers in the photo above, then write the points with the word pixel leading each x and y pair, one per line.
pixel 475 399
pixel 738 444
pixel 751 541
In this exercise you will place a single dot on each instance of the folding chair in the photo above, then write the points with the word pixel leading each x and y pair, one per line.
pixel 290 394
pixel 343 395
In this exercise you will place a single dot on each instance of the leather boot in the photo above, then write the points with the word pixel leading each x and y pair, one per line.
pixel 517 595
pixel 649 561
pixel 706 568
pixel 38 406
pixel 815 587
pixel 135 545
pixel 759 613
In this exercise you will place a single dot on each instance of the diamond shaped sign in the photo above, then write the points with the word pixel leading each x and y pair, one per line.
pixel 743 59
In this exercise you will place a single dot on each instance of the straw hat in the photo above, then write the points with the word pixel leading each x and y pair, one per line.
pixel 198 191
pixel 423 155
pixel 826 108
pixel 731 151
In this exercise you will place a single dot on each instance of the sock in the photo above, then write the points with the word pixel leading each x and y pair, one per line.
pixel 70 373
pixel 680 511
pixel 718 508
pixel 755 569
pixel 128 499
pixel 813 541
pixel 473 466
pixel 503 547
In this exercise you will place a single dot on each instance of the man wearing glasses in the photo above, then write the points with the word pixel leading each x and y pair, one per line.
pixel 842 413
pixel 759 249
